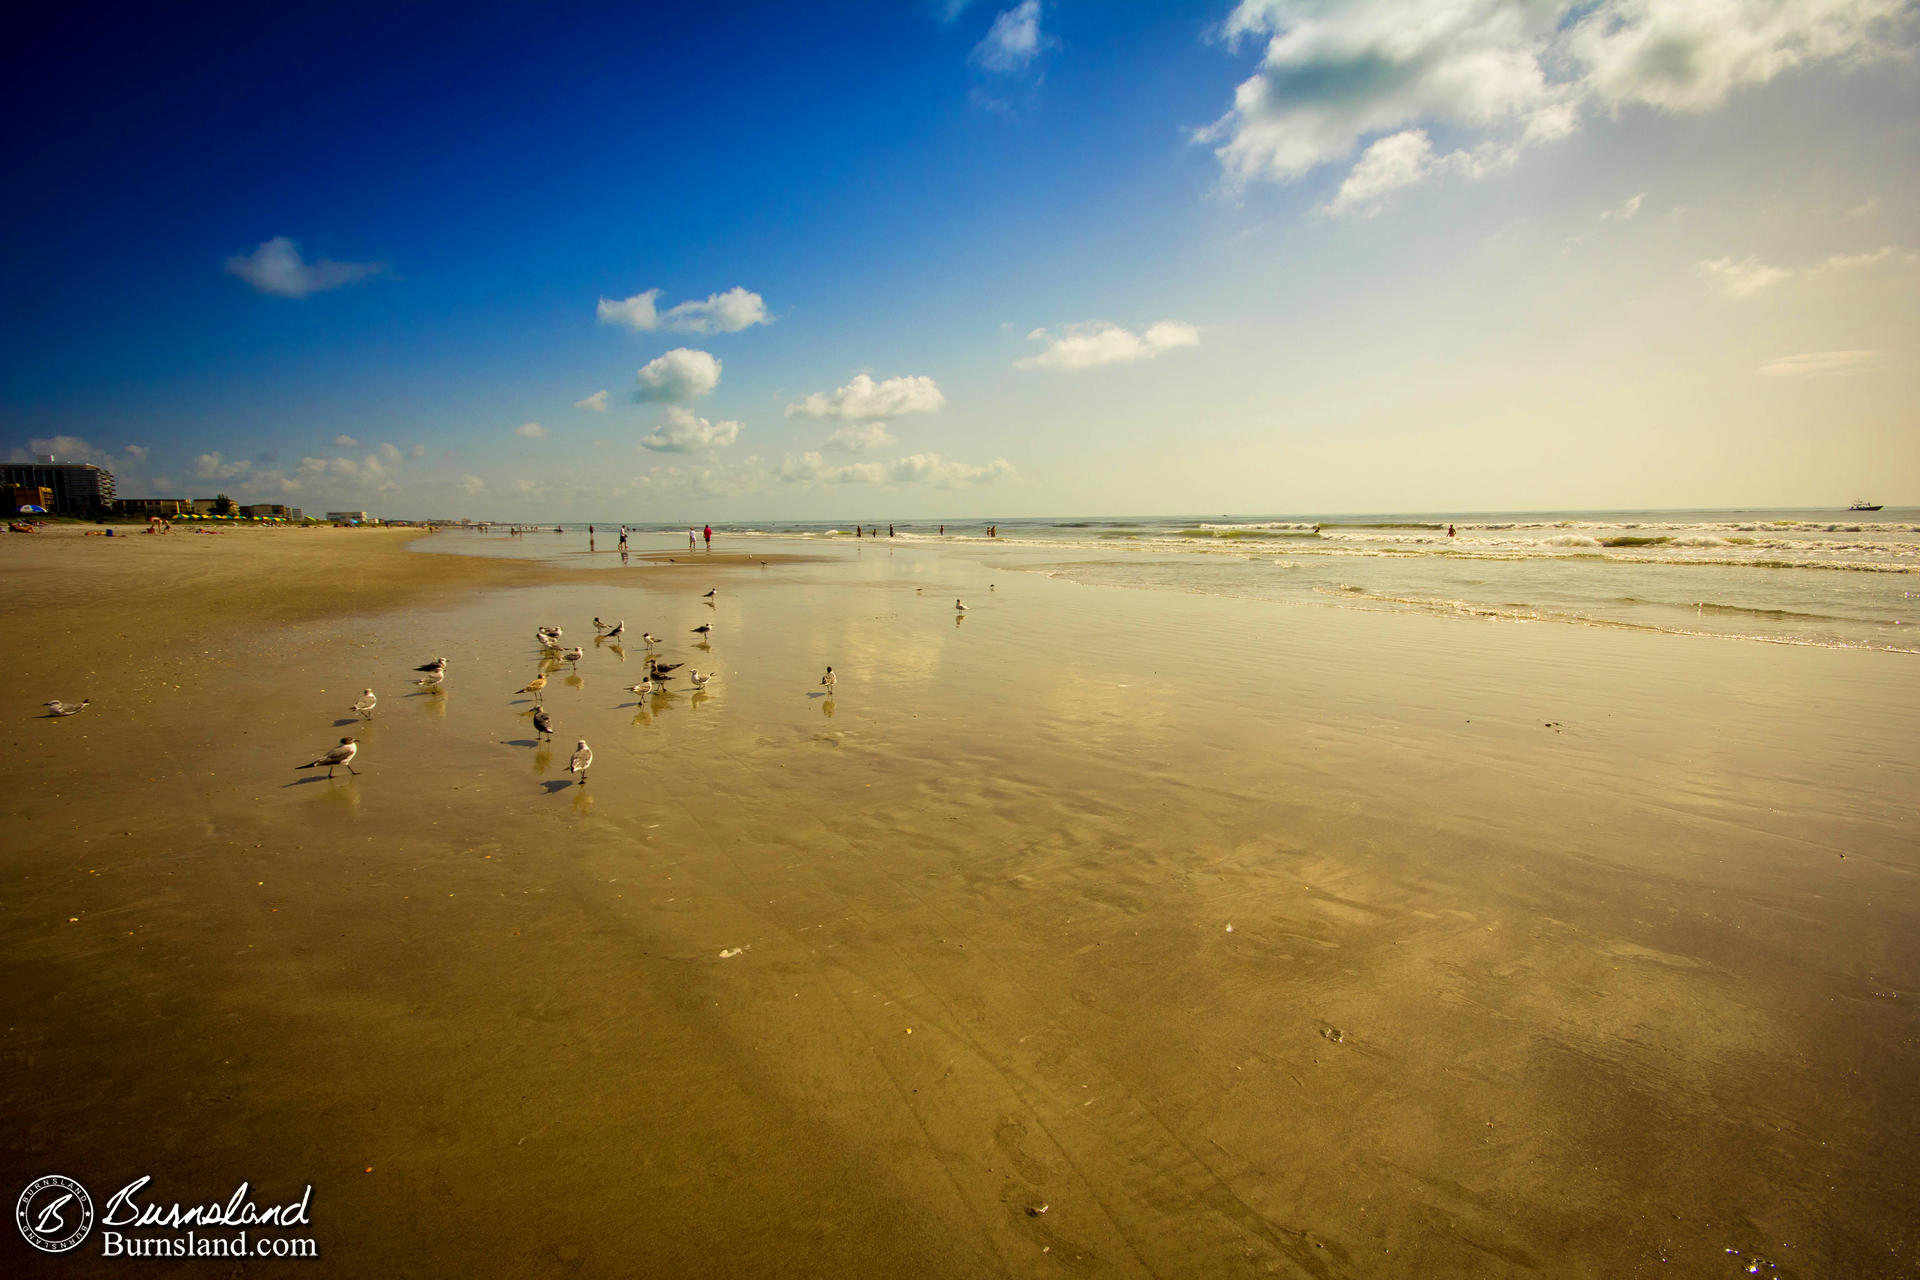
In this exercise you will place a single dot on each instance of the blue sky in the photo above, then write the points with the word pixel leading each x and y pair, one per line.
pixel 969 259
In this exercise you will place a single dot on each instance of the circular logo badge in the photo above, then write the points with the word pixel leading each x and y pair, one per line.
pixel 54 1213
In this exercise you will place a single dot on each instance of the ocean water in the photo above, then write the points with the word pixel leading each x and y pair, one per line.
pixel 1808 577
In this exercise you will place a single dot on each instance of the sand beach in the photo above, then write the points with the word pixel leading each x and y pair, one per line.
pixel 1096 931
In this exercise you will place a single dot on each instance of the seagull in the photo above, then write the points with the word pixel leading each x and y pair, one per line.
pixel 573 654
pixel 542 722
pixel 432 680
pixel 599 625
pixel 59 708
pixel 660 669
pixel 642 689
pixel 650 638
pixel 438 664
pixel 614 632
pixel 340 755
pixel 711 593
pixel 366 703
pixel 582 760
pixel 828 680
pixel 534 686
pixel 704 629
pixel 700 681
pixel 548 642
pixel 555 632
pixel 958 607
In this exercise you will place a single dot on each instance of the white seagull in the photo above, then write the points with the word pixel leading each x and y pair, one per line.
pixel 650 638
pixel 704 629
pixel 548 642
pixel 711 593
pixel 642 689
pixel 582 760
pixel 616 630
pixel 958 607
pixel 700 681
pixel 438 664
pixel 432 680
pixel 340 755
pixel 573 654
pixel 59 708
pixel 366 704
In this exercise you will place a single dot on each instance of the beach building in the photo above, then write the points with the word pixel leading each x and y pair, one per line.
pixel 347 517
pixel 28 495
pixel 155 506
pixel 78 488
pixel 269 511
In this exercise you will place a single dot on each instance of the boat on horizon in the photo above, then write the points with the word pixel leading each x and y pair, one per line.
pixel 1861 504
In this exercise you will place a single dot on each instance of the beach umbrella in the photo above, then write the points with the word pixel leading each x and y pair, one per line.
pixel 30 510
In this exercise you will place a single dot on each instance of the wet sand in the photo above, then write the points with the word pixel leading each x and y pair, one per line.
pixel 1242 938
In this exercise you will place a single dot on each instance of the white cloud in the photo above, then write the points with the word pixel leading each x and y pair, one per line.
pixel 683 432
pixel 345 442
pixel 210 466
pixel 1886 254
pixel 1082 346
pixel 920 468
pixel 390 454
pixel 530 430
pixel 864 399
pixel 66 449
pixel 728 312
pixel 277 268
pixel 681 375
pixel 137 453
pixel 856 436
pixel 1501 74
pixel 1395 161
pixel 473 486
pixel 595 403
pixel 1739 278
pixel 1817 364
pixel 1625 209
pixel 1013 41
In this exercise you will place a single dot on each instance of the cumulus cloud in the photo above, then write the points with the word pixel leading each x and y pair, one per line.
pixel 684 432
pixel 530 431
pixel 1885 255
pixel 863 399
pixel 1503 75
pixel 1013 41
pixel 920 468
pixel 595 403
pixel 68 449
pixel 680 376
pixel 728 312
pixel 210 466
pixel 1820 364
pixel 856 436
pixel 345 442
pixel 390 454
pixel 137 453
pixel 276 267
pixel 1739 278
pixel 1082 346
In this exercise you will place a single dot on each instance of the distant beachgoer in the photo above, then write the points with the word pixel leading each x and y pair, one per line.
pixel 943 531
pixel 590 537
pixel 623 537
pixel 1449 531
pixel 857 533
pixel 889 531
pixel 693 540
pixel 709 537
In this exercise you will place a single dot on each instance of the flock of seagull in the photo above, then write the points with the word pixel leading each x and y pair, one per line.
pixel 553 651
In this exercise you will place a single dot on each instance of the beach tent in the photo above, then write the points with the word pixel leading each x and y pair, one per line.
pixel 30 510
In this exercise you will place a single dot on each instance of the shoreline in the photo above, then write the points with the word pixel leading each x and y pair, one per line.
pixel 1341 943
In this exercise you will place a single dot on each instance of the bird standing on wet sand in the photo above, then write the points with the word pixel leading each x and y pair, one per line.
pixel 828 680
pixel 438 664
pixel 958 607
pixel 711 593
pixel 534 686
pixel 701 681
pixel 432 680
pixel 582 760
pixel 642 689
pixel 573 654
pixel 650 638
pixel 704 630
pixel 59 708
pixel 366 704
pixel 340 755
pixel 554 632
pixel 659 670
pixel 599 625
pixel 542 722
pixel 549 643
pixel 615 631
